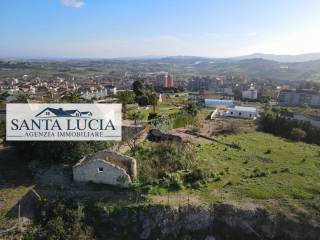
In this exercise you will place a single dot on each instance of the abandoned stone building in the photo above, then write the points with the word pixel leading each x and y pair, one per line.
pixel 106 167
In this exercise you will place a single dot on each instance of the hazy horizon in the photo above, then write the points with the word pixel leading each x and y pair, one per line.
pixel 135 29
pixel 145 57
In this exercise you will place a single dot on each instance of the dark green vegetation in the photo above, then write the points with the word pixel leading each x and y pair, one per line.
pixel 181 120
pixel 170 107
pixel 59 221
pixel 48 153
pixel 170 166
pixel 185 117
pixel 144 95
pixel 125 98
pixel 274 121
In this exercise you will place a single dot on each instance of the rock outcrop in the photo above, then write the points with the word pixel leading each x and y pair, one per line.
pixel 219 221
pixel 156 135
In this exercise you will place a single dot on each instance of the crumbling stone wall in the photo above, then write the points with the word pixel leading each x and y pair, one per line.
pixel 106 167
pixel 128 163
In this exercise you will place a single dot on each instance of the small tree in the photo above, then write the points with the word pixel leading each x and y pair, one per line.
pixel 136 116
pixel 297 134
pixel 138 87
pixel 132 138
pixel 153 100
pixel 191 109
pixel 22 97
pixel 72 97
pixel 125 98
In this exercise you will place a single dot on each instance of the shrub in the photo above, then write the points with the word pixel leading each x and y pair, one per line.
pixel 182 120
pixel 298 134
pixel 268 151
pixel 258 173
pixel 228 183
pixel 62 221
pixel 153 115
pixel 172 166
pixel 197 124
pixel 284 170
pixel 232 127
pixel 58 152
pixel 198 176
pixel 172 181
pixel 191 109
pixel 136 116
pixel 165 157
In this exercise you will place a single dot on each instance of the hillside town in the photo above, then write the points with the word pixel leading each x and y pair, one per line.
pixel 210 92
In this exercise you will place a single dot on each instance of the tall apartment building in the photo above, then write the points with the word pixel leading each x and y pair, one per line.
pixel 199 84
pixel 167 80
pixel 170 81
pixel 299 98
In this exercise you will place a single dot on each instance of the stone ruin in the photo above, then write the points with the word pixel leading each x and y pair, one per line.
pixel 106 167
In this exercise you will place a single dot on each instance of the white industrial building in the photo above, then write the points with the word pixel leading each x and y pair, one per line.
pixel 242 112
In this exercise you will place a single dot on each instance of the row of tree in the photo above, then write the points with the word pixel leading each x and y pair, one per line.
pixel 280 125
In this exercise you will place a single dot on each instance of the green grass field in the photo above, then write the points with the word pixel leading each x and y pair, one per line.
pixel 169 106
pixel 267 171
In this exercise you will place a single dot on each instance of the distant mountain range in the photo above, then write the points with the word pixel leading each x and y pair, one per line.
pixel 282 58
pixel 254 66
pixel 271 57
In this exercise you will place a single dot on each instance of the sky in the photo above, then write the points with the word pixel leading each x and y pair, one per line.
pixel 134 28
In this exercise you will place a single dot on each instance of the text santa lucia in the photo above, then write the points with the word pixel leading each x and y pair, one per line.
pixel 62 125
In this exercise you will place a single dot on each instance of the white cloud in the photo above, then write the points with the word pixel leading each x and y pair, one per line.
pixel 73 3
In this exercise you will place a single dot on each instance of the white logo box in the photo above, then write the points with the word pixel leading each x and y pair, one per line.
pixel 63 122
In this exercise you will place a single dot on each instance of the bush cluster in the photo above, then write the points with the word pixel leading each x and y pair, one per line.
pixel 280 125
pixel 60 220
pixel 172 166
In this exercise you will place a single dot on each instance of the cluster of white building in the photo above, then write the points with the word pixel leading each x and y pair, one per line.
pixel 106 91
pixel 230 110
